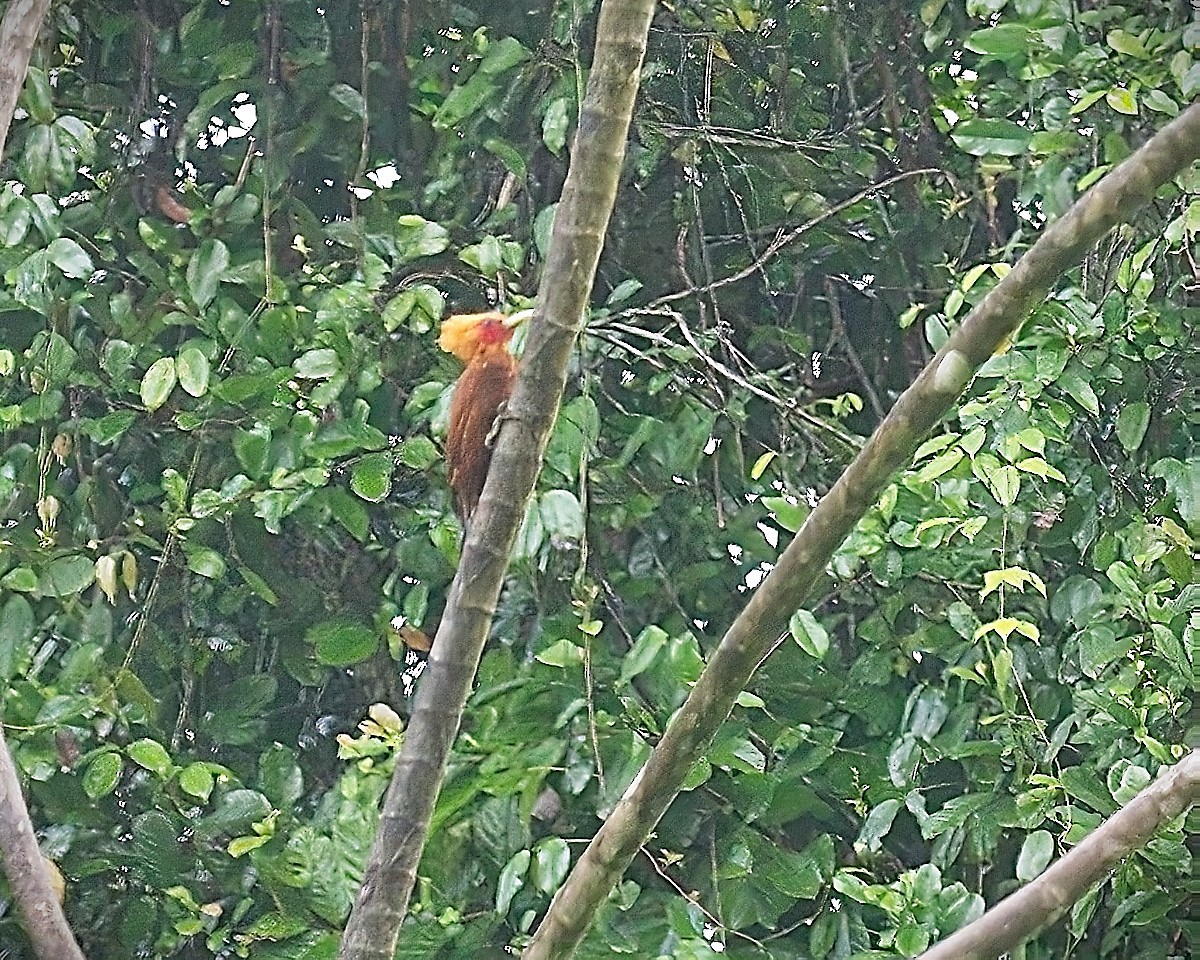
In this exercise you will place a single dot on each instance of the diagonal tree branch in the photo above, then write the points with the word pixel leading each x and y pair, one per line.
pixel 579 227
pixel 1043 900
pixel 1115 199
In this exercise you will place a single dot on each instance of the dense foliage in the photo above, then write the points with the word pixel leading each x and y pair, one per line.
pixel 228 231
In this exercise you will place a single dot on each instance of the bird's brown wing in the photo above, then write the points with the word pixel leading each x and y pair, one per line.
pixel 480 392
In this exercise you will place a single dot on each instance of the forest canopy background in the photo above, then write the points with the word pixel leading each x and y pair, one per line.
pixel 228 232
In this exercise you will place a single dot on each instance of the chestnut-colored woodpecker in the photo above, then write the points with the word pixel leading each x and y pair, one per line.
pixel 481 341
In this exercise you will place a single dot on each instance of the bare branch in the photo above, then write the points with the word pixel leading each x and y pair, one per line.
pixel 1042 901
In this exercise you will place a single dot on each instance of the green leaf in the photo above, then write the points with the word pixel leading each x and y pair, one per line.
pixel 643 653
pixel 1005 41
pixel 349 98
pixel 1122 101
pixel 561 653
pixel 419 453
pixel 158 382
pixel 280 776
pixel 152 755
pixel 789 512
pixel 240 846
pixel 66 576
pixel 981 138
pixel 16 630
pixel 236 812
pixel 102 775
pixel 70 258
pixel 761 464
pixel 197 780
pixel 318 364
pixel 512 879
pixel 1040 468
pixel 562 516
pixel 252 448
pixel 20 579
pixel 191 366
pixel 37 96
pixel 1132 422
pixel 1127 44
pixel 939 465
pixel 551 861
pixel 206 269
pixel 417 237
pixel 486 256
pixel 955 813
pixel 807 631
pixel 877 826
pixel 463 101
pixel 554 125
pixel 342 643
pixel 371 477
pixel 912 939
pixel 510 156
pixel 1035 855
pixel 1004 484
pixel 204 561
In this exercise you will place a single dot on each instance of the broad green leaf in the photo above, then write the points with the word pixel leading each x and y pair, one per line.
pixel 512 879
pixel 349 98
pixel 1006 626
pixel 941 464
pixel 877 826
pixel 158 382
pixel 1006 40
pixel 808 632
pixel 1132 422
pixel 417 237
pixel 1122 101
pixel 371 477
pixel 1040 468
pixel 196 779
pixel 1035 855
pixel 152 755
pixel 551 861
pixel 993 137
pixel 236 811
pixel 252 447
pixel 320 364
pixel 191 366
pixel 1004 483
pixel 554 125
pixel 102 775
pixel 643 653
pixel 1127 43
pixel 342 643
pixel 418 453
pixel 66 576
pixel 205 561
pixel 37 96
pixel 561 653
pixel 562 516
pixel 205 270
pixel 70 258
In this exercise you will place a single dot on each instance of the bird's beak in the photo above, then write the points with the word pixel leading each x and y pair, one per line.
pixel 515 320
